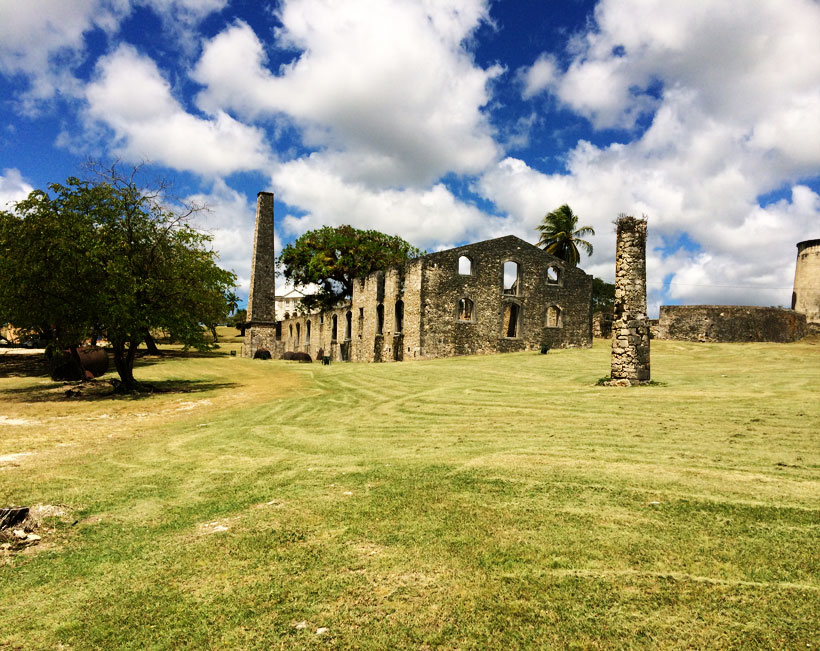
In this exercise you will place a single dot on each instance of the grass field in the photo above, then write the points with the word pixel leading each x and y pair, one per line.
pixel 476 502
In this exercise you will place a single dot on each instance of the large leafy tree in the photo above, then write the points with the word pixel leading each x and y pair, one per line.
pixel 603 296
pixel 561 236
pixel 109 257
pixel 332 257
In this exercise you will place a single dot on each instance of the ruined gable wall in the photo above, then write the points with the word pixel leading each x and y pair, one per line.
pixel 730 323
pixel 321 331
pixel 444 335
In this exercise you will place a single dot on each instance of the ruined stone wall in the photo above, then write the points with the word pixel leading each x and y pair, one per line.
pixel 445 333
pixel 730 323
pixel 630 329
pixel 411 334
pixel 601 325
pixel 553 303
pixel 295 329
pixel 806 295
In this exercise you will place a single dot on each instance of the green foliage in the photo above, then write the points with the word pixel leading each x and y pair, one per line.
pixel 332 257
pixel 238 317
pixel 239 320
pixel 603 296
pixel 561 237
pixel 108 257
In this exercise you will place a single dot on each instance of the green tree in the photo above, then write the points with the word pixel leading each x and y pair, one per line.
pixel 239 320
pixel 48 266
pixel 603 296
pixel 109 257
pixel 332 257
pixel 561 237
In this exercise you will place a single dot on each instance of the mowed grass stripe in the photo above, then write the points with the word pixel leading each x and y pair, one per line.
pixel 485 502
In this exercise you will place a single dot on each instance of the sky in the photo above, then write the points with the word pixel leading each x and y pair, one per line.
pixel 443 121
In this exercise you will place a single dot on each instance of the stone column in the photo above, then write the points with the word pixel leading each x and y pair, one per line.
pixel 630 329
pixel 806 295
pixel 261 332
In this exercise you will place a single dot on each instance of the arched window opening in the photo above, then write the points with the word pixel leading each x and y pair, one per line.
pixel 553 274
pixel 399 314
pixel 307 333
pixel 465 309
pixel 287 315
pixel 290 331
pixel 298 333
pixel 554 317
pixel 380 319
pixel 278 331
pixel 334 327
pixel 512 315
pixel 349 326
pixel 465 266
pixel 511 277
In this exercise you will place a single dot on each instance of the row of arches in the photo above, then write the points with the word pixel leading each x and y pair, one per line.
pixel 398 318
pixel 512 272
pixel 295 329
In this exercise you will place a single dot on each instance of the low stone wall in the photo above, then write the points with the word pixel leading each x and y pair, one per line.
pixel 730 323
pixel 601 325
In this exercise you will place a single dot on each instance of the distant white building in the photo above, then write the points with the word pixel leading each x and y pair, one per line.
pixel 287 303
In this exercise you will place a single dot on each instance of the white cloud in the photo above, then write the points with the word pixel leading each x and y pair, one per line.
pixel 542 75
pixel 746 60
pixel 12 188
pixel 427 218
pixel 44 40
pixel 738 117
pixel 230 218
pixel 41 39
pixel 387 87
pixel 130 96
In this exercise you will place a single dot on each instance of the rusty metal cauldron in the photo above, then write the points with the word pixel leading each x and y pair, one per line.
pixel 93 358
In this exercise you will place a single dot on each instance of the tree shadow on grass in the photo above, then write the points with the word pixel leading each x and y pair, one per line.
pixel 15 365
pixel 104 389
pixel 24 366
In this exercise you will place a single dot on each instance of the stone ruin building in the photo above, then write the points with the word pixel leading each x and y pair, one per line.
pixel 495 296
pixel 630 327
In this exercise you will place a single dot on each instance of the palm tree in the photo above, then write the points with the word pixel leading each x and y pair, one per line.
pixel 561 237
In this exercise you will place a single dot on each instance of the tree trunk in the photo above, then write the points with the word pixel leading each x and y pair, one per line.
pixel 150 344
pixel 78 363
pixel 213 332
pixel 124 363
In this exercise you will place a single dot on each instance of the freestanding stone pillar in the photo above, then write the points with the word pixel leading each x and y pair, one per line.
pixel 261 331
pixel 630 329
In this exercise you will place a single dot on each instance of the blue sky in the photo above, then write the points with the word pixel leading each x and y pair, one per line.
pixel 444 122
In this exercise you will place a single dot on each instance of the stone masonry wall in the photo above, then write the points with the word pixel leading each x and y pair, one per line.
pixel 730 323
pixel 630 329
pixel 806 296
pixel 553 303
pixel 445 334
pixel 602 325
